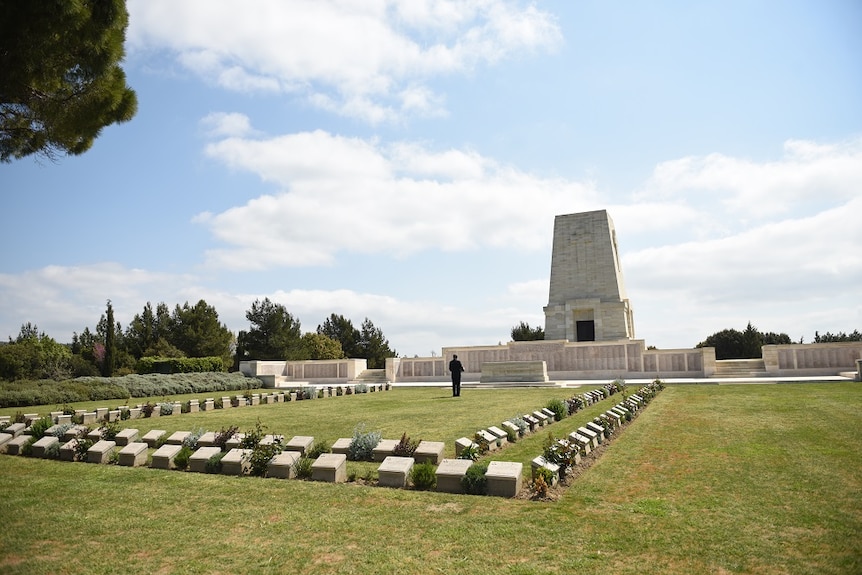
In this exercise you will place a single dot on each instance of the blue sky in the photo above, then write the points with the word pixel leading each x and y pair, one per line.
pixel 404 161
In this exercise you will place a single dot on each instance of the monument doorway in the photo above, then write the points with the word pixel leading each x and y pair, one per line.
pixel 586 330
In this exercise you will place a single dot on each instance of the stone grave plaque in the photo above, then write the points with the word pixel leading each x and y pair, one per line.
pixel 394 471
pixel 504 478
pixel 134 454
pixel 330 467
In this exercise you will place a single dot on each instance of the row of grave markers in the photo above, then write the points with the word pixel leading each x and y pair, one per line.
pixel 106 414
pixel 589 436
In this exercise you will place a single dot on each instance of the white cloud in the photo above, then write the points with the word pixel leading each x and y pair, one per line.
pixel 349 195
pixel 809 175
pixel 368 60
pixel 220 124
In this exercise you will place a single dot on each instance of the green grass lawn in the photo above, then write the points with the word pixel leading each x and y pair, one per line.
pixel 708 479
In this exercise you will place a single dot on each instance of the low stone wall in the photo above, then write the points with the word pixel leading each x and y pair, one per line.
pixel 811 358
pixel 324 371
pixel 514 371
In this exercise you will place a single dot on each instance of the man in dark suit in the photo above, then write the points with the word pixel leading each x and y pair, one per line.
pixel 456 368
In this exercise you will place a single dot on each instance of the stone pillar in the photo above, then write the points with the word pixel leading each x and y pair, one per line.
pixel 587 299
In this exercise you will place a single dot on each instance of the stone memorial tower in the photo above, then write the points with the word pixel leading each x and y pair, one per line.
pixel 587 300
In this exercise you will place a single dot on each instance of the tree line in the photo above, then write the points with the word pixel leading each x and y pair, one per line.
pixel 187 331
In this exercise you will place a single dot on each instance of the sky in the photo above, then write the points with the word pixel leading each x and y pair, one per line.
pixel 403 161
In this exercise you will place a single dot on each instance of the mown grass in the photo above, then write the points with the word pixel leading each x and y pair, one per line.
pixel 708 479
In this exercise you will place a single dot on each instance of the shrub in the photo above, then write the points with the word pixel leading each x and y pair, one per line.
pixel 559 408
pixel 52 451
pixel 542 482
pixel 213 464
pixel 110 431
pixel 147 409
pixel 166 408
pixel 483 444
pixel 181 459
pixel 575 404
pixel 39 427
pixel 423 476
pixel 360 388
pixel 223 435
pixel 405 447
pixel 511 435
pixel 318 449
pixel 471 452
pixel 260 457
pixel 521 424
pixel 170 365
pixel 81 447
pixel 27 448
pixel 253 438
pixel 302 467
pixel 362 444
pixel 60 430
pixel 192 440
pixel 474 481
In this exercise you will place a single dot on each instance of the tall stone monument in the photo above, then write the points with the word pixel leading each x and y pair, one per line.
pixel 587 300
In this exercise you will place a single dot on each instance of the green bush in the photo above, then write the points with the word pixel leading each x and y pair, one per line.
pixel 39 427
pixel 318 449
pixel 170 365
pixel 260 457
pixel 474 481
pixel 302 467
pixel 559 408
pixel 423 476
pixel 181 459
pixel 213 464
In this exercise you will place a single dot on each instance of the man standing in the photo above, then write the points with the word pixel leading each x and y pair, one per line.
pixel 456 368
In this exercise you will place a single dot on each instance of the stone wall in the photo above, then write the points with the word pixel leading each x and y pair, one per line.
pixel 811 358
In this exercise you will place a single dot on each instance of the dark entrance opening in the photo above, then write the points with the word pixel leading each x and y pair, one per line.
pixel 586 330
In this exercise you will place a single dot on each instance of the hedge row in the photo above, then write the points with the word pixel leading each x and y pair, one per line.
pixel 23 393
pixel 167 365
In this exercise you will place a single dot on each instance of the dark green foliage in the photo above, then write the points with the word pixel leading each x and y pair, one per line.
pixel 405 447
pixel 373 346
pixel 168 365
pixel 523 332
pixel 367 342
pixel 302 467
pixel 474 481
pixel 82 445
pixel 471 453
pixel 829 337
pixel 181 459
pixel 110 430
pixel 213 464
pixel 38 427
pixel 559 408
pixel 197 332
pixel 274 333
pixel 61 81
pixel 318 449
pixel 252 438
pixel 34 355
pixel 260 457
pixel 734 344
pixel 110 343
pixel 340 329
pixel 423 476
